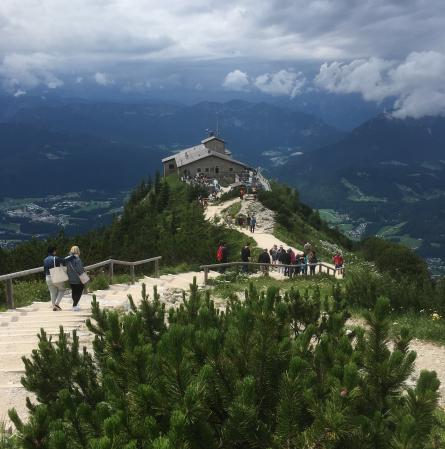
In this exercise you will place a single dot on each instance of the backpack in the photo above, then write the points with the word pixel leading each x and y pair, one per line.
pixel 219 254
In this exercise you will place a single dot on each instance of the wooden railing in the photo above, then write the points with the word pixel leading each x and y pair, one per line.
pixel 329 269
pixel 8 278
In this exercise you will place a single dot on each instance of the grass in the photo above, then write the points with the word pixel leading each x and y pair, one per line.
pixel 7 439
pixel 233 210
pixel 25 293
pixel 387 231
pixel 421 326
pixel 233 282
pixel 355 194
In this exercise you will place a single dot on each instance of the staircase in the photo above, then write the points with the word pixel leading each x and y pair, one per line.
pixel 19 327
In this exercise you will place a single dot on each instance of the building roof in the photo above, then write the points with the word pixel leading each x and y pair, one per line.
pixel 197 153
pixel 210 138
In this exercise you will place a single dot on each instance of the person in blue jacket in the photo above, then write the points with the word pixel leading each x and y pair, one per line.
pixel 56 290
pixel 75 269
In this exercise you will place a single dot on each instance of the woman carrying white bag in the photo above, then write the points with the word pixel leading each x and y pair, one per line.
pixel 77 277
pixel 55 276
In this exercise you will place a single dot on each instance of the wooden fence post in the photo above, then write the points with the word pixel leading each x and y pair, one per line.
pixel 132 274
pixel 9 294
pixel 111 271
pixel 156 268
pixel 206 275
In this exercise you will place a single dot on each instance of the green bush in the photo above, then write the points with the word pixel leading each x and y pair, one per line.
pixel 25 292
pixel 270 372
pixel 99 282
pixel 364 286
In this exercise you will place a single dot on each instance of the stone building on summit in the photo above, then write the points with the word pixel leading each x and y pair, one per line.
pixel 210 158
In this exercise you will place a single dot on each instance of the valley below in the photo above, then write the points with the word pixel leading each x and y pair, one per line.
pixel 40 217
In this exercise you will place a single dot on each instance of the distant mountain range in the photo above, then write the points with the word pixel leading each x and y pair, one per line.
pixel 114 145
pixel 36 161
pixel 386 177
pixel 387 173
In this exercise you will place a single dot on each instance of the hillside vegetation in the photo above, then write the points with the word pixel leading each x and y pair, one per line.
pixel 271 371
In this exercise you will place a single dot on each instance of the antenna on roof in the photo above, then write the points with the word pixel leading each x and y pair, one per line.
pixel 217 125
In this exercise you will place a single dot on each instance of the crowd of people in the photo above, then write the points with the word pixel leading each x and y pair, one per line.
pixel 285 261
pixel 58 270
pixel 288 262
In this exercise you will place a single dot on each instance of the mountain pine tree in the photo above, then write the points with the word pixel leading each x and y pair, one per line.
pixel 271 371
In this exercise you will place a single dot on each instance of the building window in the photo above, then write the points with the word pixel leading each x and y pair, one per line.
pixel 198 170
pixel 231 169
pixel 207 169
pixel 216 170
pixel 171 166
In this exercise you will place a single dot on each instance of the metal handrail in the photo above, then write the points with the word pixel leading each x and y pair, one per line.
pixel 8 278
pixel 328 267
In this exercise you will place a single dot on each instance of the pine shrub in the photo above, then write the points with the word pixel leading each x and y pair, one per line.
pixel 271 371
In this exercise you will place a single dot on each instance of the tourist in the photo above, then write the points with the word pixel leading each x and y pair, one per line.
pixel 56 289
pixel 292 261
pixel 338 262
pixel 264 258
pixel 280 257
pixel 286 261
pixel 245 257
pixel 312 260
pixel 248 220
pixel 307 248
pixel 252 223
pixel 75 277
pixel 298 264
pixel 273 252
pixel 221 255
pixel 304 261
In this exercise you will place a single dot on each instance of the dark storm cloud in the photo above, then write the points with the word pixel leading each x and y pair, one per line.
pixel 150 43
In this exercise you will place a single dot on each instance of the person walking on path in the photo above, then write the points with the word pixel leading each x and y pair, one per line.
pixel 248 221
pixel 75 270
pixel 312 259
pixel 307 248
pixel 56 289
pixel 264 258
pixel 252 224
pixel 245 257
pixel 274 254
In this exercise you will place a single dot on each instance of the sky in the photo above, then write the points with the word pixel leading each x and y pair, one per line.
pixel 379 49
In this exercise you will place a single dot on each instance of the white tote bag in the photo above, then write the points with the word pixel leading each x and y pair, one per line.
pixel 84 278
pixel 58 274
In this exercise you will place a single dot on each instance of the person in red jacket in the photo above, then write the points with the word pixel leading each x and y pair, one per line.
pixel 338 262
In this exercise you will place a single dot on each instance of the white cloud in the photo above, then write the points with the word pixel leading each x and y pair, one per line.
pixel 102 79
pixel 237 81
pixel 29 71
pixel 284 82
pixel 417 83
pixel 131 41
